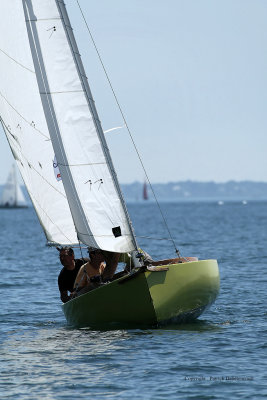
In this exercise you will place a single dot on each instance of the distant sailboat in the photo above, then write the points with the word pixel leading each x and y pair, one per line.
pixel 145 195
pixel 12 196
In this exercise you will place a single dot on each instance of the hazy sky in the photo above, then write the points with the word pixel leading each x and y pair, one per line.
pixel 191 77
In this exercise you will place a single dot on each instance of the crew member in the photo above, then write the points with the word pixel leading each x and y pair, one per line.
pixel 67 276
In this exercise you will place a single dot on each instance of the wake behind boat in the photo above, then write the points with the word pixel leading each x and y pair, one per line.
pixel 53 128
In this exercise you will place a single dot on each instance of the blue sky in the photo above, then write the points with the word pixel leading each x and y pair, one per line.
pixel 191 78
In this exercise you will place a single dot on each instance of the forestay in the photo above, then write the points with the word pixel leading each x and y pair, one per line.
pixel 47 65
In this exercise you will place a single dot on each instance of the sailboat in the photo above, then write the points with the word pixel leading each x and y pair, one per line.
pixel 55 134
pixel 12 196
pixel 145 194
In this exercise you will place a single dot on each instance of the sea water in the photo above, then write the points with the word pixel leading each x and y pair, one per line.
pixel 221 355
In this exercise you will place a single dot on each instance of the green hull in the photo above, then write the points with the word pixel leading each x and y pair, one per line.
pixel 148 298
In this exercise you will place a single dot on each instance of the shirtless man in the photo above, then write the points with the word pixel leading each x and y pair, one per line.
pixel 94 267
pixel 101 263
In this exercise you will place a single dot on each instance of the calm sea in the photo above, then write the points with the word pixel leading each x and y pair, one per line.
pixel 222 355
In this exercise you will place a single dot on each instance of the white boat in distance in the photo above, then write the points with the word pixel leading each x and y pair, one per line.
pixel 12 196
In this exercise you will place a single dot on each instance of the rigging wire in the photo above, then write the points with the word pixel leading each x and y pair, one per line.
pixel 80 247
pixel 28 161
pixel 127 127
pixel 17 62
pixel 24 119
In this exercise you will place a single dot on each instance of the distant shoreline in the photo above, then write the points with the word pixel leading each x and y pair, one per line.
pixel 200 191
pixel 187 191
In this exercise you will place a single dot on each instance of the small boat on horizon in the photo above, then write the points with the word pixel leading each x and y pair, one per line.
pixel 12 195
pixel 145 194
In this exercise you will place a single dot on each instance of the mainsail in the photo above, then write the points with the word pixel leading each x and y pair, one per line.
pixel 48 114
pixel 12 195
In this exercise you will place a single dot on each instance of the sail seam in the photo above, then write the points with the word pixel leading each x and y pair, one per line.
pixel 82 165
pixel 65 91
pixel 42 19
pixel 17 62
pixel 94 235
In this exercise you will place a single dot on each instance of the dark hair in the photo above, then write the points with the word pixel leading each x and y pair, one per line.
pixel 66 248
pixel 92 250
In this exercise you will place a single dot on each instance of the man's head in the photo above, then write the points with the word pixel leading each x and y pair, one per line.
pixel 66 256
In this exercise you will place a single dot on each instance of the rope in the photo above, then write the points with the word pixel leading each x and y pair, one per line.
pixel 80 247
pixel 17 62
pixel 28 122
pixel 128 129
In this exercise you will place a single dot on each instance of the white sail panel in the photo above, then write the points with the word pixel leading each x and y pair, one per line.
pixel 25 125
pixel 96 204
pixel 20 196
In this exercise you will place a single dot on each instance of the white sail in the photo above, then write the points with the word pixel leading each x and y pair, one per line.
pixel 23 120
pixel 20 196
pixel 70 119
pixel 8 198
pixel 12 195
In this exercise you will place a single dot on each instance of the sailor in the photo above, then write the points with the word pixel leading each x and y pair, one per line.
pixel 100 268
pixel 67 276
pixel 90 272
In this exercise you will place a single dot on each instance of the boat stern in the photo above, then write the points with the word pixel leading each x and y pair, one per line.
pixel 185 291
